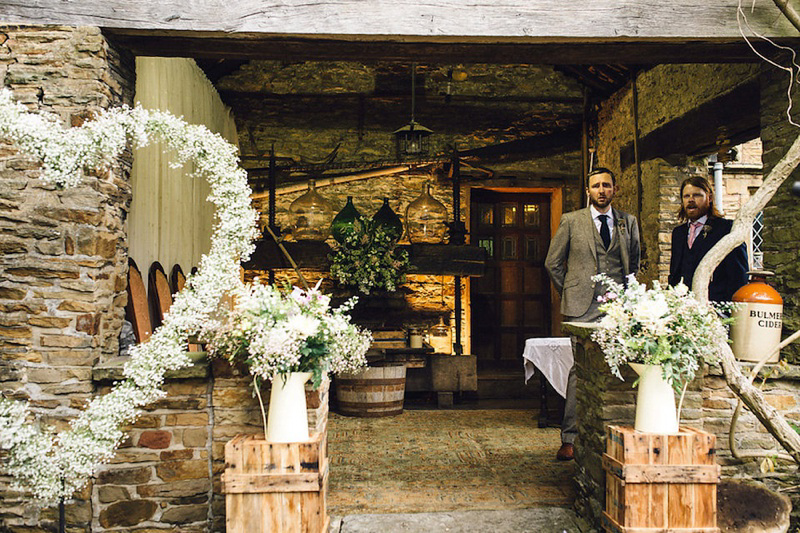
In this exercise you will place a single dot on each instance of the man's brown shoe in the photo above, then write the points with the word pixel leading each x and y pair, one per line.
pixel 566 452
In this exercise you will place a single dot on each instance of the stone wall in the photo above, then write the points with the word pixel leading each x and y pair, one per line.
pixel 781 238
pixel 311 110
pixel 64 252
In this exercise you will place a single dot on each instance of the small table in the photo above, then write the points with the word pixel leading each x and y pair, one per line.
pixel 553 357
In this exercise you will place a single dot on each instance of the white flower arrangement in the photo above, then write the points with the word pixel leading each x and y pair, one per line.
pixel 50 465
pixel 663 326
pixel 276 333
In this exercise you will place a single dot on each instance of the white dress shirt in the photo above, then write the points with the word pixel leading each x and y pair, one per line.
pixel 610 221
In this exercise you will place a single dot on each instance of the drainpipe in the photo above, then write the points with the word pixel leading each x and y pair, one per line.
pixel 718 186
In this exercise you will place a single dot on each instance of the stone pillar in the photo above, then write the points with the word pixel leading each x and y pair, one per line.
pixel 64 255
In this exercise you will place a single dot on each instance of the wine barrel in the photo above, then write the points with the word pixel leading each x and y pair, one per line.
pixel 375 391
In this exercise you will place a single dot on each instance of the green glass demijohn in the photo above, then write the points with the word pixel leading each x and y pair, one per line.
pixel 389 221
pixel 344 221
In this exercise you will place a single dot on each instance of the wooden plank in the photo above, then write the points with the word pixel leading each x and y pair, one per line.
pixel 705 496
pixel 539 20
pixel 681 495
pixel 662 473
pixel 438 259
pixel 623 529
pixel 446 259
pixel 254 483
pixel 612 496
pixel 637 497
pixel 566 139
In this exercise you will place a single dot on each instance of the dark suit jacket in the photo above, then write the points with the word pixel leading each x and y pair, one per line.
pixel 572 257
pixel 729 275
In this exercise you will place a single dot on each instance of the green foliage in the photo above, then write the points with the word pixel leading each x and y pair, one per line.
pixel 367 258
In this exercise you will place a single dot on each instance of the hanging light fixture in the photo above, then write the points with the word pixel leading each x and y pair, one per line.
pixel 412 139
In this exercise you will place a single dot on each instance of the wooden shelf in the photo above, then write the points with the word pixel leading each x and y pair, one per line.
pixel 434 259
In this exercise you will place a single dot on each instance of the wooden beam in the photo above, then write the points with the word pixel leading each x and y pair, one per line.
pixel 437 259
pixel 459 117
pixel 524 20
pixel 734 117
pixel 469 50
pixel 565 140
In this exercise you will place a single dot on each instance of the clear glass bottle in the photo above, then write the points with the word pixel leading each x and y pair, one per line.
pixel 426 217
pixel 311 215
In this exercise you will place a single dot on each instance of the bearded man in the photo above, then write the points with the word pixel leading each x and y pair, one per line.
pixel 595 240
pixel 703 227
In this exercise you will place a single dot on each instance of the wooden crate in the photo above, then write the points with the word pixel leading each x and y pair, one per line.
pixel 275 487
pixel 665 483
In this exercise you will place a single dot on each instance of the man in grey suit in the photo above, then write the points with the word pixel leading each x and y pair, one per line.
pixel 597 239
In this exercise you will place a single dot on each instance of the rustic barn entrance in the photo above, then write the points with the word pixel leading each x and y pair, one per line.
pixel 638 135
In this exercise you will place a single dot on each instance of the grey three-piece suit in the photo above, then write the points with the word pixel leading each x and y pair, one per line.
pixel 576 254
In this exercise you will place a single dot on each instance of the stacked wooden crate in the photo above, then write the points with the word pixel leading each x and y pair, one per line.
pixel 273 487
pixel 665 483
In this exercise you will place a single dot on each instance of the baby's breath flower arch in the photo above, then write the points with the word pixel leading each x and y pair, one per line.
pixel 51 465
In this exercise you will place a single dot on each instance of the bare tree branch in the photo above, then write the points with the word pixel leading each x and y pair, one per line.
pixel 752 397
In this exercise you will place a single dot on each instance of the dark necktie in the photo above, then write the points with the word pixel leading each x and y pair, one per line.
pixel 605 234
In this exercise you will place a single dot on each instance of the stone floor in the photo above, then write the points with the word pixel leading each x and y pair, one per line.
pixel 535 520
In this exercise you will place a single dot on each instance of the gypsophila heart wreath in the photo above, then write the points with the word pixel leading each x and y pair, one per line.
pixel 51 465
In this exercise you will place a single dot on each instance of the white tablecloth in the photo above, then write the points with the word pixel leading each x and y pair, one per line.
pixel 553 357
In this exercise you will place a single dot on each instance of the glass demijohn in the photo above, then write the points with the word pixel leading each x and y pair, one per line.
pixel 425 218
pixel 389 221
pixel 344 221
pixel 311 215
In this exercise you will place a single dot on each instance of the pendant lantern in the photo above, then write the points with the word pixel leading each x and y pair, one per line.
pixel 413 138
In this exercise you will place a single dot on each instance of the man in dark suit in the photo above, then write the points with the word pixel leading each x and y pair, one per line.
pixel 702 229
pixel 596 239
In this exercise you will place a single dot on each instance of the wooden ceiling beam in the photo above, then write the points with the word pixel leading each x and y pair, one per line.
pixel 523 20
pixel 288 48
pixel 565 140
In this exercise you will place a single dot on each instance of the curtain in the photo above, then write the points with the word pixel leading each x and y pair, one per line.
pixel 170 220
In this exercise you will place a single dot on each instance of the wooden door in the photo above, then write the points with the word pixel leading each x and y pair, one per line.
pixel 511 302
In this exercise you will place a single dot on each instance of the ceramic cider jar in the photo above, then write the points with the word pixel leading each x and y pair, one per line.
pixel 756 329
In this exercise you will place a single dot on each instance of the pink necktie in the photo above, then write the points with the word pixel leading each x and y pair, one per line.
pixel 693 231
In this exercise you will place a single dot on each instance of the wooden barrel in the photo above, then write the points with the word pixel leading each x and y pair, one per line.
pixel 376 391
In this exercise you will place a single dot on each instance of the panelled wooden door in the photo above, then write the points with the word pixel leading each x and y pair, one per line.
pixel 511 302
